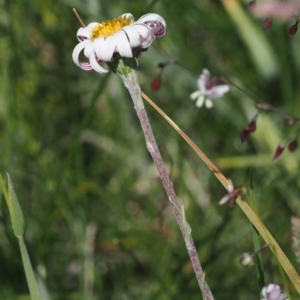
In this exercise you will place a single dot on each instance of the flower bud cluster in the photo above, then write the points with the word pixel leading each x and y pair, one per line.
pixel 274 9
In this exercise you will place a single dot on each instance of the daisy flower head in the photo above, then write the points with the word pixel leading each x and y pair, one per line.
pixel 273 292
pixel 208 89
pixel 99 41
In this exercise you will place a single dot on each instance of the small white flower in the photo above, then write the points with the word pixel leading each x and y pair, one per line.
pixel 247 259
pixel 273 292
pixel 208 90
pixel 99 41
pixel 232 194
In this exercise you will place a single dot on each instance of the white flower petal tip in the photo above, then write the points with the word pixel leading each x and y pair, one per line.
pixel 209 89
pixel 224 199
pixel 230 189
pixel 200 101
pixel 195 95
pixel 156 23
pixel 273 292
pixel 232 194
pixel 208 103
pixel 99 41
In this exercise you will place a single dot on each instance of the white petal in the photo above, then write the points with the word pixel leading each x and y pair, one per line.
pixel 218 91
pixel 266 291
pixel 152 17
pixel 83 32
pixel 133 36
pixel 202 80
pixel 195 95
pixel 89 48
pixel 224 199
pixel 230 187
pixel 275 292
pixel 145 34
pixel 104 48
pixel 208 103
pixel 96 66
pixel 283 296
pixel 127 16
pixel 161 27
pixel 86 31
pixel 122 44
pixel 83 65
pixel 200 101
pixel 90 26
pixel 78 49
pixel 86 66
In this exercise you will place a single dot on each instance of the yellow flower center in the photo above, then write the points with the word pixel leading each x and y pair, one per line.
pixel 110 27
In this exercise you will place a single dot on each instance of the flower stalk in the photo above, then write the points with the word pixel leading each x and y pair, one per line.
pixel 129 76
pixel 251 215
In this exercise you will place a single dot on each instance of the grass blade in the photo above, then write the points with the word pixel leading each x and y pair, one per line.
pixel 31 281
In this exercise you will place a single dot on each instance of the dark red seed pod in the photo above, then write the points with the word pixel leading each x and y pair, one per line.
pixel 293 146
pixel 156 83
pixel 161 65
pixel 244 135
pixel 252 126
pixel 293 29
pixel 278 151
pixel 267 24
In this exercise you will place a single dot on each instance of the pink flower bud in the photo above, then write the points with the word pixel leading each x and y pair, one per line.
pixel 267 24
pixel 293 29
pixel 156 83
pixel 279 151
pixel 293 146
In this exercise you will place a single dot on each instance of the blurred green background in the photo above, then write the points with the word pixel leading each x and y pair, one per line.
pixel 98 222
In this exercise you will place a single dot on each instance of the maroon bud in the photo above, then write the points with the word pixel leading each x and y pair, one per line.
pixel 251 5
pixel 293 29
pixel 247 130
pixel 161 65
pixel 252 126
pixel 267 24
pixel 279 151
pixel 293 146
pixel 156 83
pixel 244 135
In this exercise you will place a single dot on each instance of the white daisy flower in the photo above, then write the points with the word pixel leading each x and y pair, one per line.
pixel 273 292
pixel 99 41
pixel 208 90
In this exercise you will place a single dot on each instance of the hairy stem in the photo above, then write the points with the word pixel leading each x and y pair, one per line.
pixel 132 85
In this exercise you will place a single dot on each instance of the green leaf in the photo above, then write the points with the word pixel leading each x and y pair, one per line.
pixel 259 48
pixel 15 210
pixel 31 281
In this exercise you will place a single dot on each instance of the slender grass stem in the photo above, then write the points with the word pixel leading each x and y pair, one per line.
pixel 251 215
